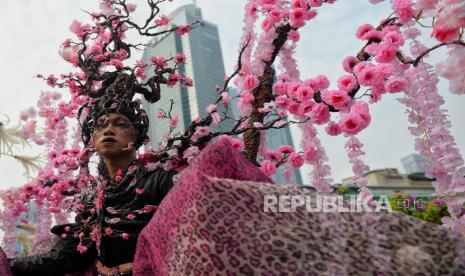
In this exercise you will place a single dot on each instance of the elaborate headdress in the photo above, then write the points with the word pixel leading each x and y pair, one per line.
pixel 116 95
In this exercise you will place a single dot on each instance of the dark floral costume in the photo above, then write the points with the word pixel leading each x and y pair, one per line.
pixel 109 233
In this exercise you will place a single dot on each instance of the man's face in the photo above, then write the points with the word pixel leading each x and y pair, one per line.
pixel 112 133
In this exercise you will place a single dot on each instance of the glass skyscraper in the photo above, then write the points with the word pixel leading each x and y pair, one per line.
pixel 204 65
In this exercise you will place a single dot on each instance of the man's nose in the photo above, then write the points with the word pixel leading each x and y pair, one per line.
pixel 108 130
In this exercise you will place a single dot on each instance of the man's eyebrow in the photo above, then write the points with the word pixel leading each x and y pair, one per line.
pixel 121 118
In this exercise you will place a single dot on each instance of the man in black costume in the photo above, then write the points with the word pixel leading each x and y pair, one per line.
pixel 117 204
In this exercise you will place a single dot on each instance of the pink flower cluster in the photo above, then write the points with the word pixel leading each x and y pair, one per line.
pixel 354 151
pixel 404 10
pixel 438 145
pixel 452 69
pixel 449 20
pixel 315 154
pixel 381 78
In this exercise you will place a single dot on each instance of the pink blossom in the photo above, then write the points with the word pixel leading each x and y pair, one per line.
pixel 304 93
pixel 267 24
pixel 163 21
pixel 211 108
pixel 367 76
pixel 268 167
pixel 174 122
pixel 296 160
pixel 29 129
pixel 373 35
pixel 320 114
pixel 394 38
pixel 357 120
pixel 404 9
pixel 226 98
pixel 311 14
pixel 323 81
pixel 297 17
pixel 251 82
pixel 349 63
pixel 159 61
pixel 188 82
pixel 294 108
pixel 363 30
pixel 274 155
pixel 216 118
pixel 173 79
pixel 180 58
pixel 395 85
pixel 386 53
pixel 246 98
pixel 315 3
pixel 359 67
pixel 275 15
pixel 347 83
pixel 293 36
pixel 286 149
pixel 336 98
pixel 352 123
pixel 283 101
pixel 131 7
pixel 82 249
pixel 28 113
pixel 292 88
pixel 445 34
pixel 52 80
pixel 251 9
pixel 108 231
pixel 310 155
pixel 305 108
pixel 182 30
pixel 333 129
pixel 312 83
pixel 160 115
pixel 425 5
pixel 280 88
pixel 302 4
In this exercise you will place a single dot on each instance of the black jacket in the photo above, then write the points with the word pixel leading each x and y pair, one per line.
pixel 64 258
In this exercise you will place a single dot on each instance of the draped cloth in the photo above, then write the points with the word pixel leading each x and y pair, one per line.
pixel 213 223
pixel 4 264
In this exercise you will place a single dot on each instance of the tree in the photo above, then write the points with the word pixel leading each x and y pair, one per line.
pixel 272 94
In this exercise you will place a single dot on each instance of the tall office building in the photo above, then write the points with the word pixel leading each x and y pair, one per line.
pixel 204 65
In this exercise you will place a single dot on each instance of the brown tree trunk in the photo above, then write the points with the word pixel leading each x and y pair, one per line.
pixel 263 93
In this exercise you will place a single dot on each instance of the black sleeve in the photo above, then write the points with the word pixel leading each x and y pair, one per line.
pixel 63 258
pixel 157 185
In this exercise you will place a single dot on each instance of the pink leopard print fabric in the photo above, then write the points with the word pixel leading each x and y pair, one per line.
pixel 4 264
pixel 215 226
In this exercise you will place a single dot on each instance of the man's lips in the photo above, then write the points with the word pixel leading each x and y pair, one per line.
pixel 108 140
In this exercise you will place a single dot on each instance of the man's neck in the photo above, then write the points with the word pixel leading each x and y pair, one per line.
pixel 120 163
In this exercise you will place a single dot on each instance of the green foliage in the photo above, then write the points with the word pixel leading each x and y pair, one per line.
pixel 432 210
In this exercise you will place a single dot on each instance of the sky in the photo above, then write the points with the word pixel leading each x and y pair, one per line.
pixel 33 30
